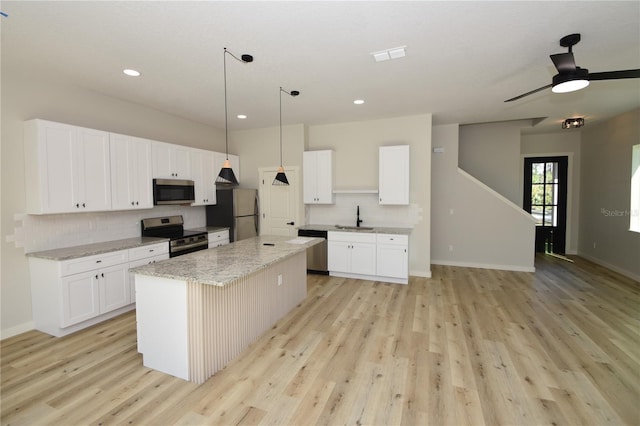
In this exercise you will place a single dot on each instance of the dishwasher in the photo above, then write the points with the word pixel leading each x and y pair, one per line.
pixel 317 254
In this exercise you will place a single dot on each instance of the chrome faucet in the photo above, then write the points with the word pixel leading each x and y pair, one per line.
pixel 358 220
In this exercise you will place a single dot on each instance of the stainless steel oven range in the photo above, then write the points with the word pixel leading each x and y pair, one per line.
pixel 172 227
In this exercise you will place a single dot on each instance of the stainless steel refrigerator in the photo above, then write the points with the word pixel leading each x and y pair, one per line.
pixel 237 209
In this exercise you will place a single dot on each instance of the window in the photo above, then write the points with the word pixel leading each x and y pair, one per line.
pixel 544 193
pixel 634 214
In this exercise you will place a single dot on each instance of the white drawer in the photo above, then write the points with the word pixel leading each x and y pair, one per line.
pixel 352 237
pixel 398 239
pixel 91 263
pixel 150 250
pixel 218 236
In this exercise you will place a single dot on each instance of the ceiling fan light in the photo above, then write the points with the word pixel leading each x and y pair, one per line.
pixel 570 86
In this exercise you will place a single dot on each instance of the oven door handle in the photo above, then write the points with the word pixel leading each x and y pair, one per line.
pixel 189 246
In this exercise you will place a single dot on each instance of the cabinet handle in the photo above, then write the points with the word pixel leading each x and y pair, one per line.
pixel 136 203
pixel 77 205
pixel 291 223
pixel 151 250
pixel 102 275
pixel 83 205
pixel 96 276
pixel 98 261
pixel 132 203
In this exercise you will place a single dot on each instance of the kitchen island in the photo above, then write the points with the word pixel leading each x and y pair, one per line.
pixel 197 312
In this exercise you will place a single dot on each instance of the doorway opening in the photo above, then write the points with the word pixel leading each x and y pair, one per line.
pixel 545 198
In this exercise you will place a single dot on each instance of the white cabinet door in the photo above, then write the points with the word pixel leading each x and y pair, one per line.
pixel 393 174
pixel 114 288
pixel 318 177
pixel 67 168
pixel 338 259
pixel 392 261
pixel 131 181
pixel 171 161
pixel 363 258
pixel 80 298
pixel 204 177
pixel 94 170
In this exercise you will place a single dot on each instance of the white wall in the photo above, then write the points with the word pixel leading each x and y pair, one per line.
pixel 31 96
pixel 565 143
pixel 605 197
pixel 356 166
pixel 491 153
pixel 472 225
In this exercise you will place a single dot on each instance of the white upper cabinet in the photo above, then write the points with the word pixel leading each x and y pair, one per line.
pixel 131 180
pixel 67 168
pixel 394 175
pixel 318 177
pixel 171 161
pixel 204 176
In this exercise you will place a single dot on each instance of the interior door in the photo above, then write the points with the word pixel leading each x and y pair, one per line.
pixel 545 197
pixel 279 204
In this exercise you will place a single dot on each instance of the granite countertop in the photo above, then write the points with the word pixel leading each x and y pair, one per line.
pixel 374 230
pixel 75 252
pixel 221 265
pixel 210 229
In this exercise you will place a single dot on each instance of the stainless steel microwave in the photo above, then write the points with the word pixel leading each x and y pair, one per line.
pixel 173 191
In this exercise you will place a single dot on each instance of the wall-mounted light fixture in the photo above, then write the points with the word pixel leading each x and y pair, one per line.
pixel 226 175
pixel 281 178
pixel 571 123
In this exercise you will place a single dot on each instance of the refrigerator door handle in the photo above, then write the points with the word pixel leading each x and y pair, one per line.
pixel 256 210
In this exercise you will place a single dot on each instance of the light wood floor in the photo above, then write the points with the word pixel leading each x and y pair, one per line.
pixel 469 346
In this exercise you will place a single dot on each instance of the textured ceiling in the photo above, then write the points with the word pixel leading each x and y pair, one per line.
pixel 463 58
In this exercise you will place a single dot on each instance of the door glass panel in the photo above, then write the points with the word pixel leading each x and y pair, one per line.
pixel 536 212
pixel 548 216
pixel 549 194
pixel 537 173
pixel 537 192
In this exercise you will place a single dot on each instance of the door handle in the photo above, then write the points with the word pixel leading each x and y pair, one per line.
pixel 291 223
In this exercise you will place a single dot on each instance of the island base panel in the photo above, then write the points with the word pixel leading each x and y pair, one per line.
pixel 223 321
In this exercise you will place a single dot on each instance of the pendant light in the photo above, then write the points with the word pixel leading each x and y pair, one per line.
pixel 281 178
pixel 226 175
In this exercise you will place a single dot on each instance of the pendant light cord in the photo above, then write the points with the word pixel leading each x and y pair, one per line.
pixel 280 126
pixel 226 131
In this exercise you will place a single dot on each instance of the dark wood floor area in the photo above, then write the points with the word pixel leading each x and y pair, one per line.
pixel 468 346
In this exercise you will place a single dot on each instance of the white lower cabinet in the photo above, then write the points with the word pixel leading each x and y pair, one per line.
pixel 218 238
pixel 351 252
pixel 69 295
pixel 145 255
pixel 379 257
pixel 393 256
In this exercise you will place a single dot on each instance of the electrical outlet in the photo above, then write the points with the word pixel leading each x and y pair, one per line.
pixel 450 248
pixel 279 279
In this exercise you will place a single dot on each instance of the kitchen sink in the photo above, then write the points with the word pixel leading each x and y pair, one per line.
pixel 354 228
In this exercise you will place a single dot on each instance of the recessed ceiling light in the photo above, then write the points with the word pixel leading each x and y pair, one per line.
pixel 242 116
pixel 131 73
pixel 358 102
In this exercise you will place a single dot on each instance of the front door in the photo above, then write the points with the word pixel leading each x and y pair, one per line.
pixel 279 204
pixel 545 197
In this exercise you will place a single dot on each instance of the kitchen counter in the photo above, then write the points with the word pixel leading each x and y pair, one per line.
pixel 76 252
pixel 222 265
pixel 210 229
pixel 197 312
pixel 374 230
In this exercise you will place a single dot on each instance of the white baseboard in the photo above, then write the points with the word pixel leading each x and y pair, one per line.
pixel 18 329
pixel 607 265
pixel 423 274
pixel 484 266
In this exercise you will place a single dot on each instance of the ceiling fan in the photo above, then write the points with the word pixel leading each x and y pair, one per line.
pixel 571 77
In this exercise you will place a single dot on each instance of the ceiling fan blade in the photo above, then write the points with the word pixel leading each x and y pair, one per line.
pixel 529 93
pixel 613 75
pixel 564 62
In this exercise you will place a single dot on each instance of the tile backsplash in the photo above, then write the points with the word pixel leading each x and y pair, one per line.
pixel 46 232
pixel 343 212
